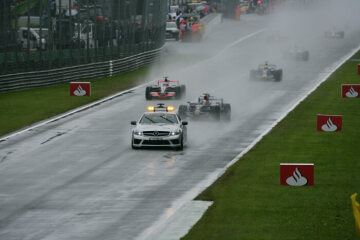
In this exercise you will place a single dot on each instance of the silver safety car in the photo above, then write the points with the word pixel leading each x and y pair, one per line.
pixel 159 127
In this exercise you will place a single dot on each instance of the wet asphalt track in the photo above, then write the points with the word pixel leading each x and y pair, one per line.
pixel 78 178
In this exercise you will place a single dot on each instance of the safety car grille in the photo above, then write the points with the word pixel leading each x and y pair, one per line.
pixel 155 142
pixel 156 133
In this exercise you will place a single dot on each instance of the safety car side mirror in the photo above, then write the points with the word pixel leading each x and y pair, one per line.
pixel 184 123
pixel 133 122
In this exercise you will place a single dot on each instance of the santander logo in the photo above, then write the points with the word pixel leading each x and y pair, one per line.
pixel 297 174
pixel 350 90
pixel 80 91
pixel 352 93
pixel 329 126
pixel 296 179
pixel 329 123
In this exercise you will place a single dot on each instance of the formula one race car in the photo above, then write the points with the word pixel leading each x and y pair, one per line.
pixel 165 89
pixel 298 54
pixel 266 71
pixel 334 34
pixel 207 107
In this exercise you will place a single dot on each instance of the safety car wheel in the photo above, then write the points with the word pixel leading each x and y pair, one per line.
pixel 181 147
pixel 132 144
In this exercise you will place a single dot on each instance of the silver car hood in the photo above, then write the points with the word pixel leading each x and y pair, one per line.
pixel 157 127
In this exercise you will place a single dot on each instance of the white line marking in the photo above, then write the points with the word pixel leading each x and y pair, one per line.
pixel 240 40
pixel 76 110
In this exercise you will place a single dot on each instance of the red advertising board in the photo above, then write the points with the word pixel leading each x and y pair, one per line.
pixel 80 89
pixel 350 90
pixel 297 174
pixel 329 123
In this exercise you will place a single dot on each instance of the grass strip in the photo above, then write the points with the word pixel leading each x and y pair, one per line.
pixel 23 108
pixel 250 203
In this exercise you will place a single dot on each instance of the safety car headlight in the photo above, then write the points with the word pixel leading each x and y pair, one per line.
pixel 174 133
pixel 137 132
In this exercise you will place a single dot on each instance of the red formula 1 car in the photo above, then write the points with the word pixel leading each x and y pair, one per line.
pixel 170 89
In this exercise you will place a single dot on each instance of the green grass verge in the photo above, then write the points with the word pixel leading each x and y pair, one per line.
pixel 22 108
pixel 249 202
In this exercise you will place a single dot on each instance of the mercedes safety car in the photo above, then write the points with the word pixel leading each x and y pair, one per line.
pixel 266 71
pixel 172 31
pixel 207 107
pixel 165 89
pixel 159 127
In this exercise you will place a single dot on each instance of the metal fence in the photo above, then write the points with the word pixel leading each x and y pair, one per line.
pixel 40 35
pixel 18 81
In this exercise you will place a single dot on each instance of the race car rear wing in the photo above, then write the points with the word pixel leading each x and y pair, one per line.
pixel 161 81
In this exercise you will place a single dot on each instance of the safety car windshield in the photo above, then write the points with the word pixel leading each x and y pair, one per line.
pixel 159 118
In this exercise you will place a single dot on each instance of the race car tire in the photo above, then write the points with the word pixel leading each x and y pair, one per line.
pixel 253 74
pixel 217 113
pixel 182 111
pixel 178 92
pixel 227 112
pixel 278 75
pixel 147 93
pixel 305 56
pixel 183 90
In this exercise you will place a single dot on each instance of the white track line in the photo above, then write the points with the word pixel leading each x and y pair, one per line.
pixel 239 41
pixel 71 112
pixel 200 187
